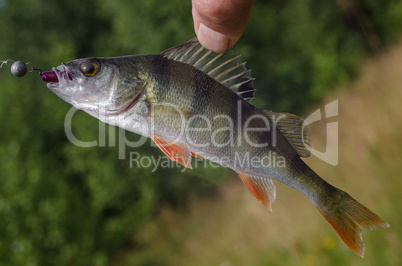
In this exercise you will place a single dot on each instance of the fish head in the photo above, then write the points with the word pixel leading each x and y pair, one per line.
pixel 97 86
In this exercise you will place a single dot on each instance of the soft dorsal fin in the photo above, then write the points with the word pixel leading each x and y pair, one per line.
pixel 225 68
pixel 293 128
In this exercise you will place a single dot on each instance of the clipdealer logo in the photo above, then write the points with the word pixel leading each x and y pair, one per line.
pixel 239 160
pixel 329 155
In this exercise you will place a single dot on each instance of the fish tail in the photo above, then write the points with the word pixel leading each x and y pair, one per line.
pixel 345 214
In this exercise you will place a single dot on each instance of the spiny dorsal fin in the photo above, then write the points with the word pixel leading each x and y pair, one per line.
pixel 293 128
pixel 225 68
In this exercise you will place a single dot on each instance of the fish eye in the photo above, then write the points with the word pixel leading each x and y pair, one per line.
pixel 90 67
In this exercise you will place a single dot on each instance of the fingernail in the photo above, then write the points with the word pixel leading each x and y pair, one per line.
pixel 212 40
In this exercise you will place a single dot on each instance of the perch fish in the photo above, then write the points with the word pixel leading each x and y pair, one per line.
pixel 193 102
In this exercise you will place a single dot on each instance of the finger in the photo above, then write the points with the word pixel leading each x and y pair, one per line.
pixel 220 24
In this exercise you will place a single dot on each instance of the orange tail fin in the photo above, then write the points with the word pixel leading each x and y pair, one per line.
pixel 345 215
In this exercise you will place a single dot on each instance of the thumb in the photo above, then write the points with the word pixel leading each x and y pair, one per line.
pixel 220 24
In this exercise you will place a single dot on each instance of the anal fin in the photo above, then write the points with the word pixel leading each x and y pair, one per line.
pixel 175 152
pixel 262 188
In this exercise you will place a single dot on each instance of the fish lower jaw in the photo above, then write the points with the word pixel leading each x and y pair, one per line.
pixel 87 107
pixel 52 85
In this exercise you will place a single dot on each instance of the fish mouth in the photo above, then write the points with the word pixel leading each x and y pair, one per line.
pixel 58 80
pixel 58 77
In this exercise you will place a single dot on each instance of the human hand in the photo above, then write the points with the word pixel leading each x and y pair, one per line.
pixel 219 24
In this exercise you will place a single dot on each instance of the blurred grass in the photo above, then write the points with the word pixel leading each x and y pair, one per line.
pixel 232 228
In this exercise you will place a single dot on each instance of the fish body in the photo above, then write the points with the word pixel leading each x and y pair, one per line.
pixel 193 102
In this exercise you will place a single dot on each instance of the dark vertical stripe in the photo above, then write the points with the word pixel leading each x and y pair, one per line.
pixel 202 91
pixel 162 77
pixel 200 99
pixel 247 115
pixel 234 115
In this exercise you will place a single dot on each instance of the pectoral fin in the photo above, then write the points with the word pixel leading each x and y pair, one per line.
pixel 197 156
pixel 168 110
pixel 261 188
pixel 176 152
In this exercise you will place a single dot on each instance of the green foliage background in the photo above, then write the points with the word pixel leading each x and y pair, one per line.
pixel 65 205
